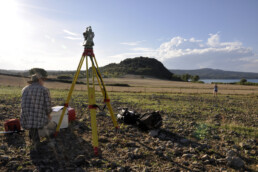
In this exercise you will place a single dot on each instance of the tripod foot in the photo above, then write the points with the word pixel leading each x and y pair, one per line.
pixel 56 133
pixel 117 129
pixel 96 151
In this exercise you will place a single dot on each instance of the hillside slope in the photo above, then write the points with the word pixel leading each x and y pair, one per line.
pixel 143 66
pixel 207 73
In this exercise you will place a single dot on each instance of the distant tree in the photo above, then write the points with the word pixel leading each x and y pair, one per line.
pixel 64 77
pixel 176 77
pixel 41 71
pixel 195 78
pixel 243 80
pixel 186 77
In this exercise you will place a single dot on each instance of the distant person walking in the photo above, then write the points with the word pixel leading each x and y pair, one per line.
pixel 35 107
pixel 215 91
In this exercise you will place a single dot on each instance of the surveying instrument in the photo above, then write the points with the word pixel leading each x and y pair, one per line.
pixel 88 54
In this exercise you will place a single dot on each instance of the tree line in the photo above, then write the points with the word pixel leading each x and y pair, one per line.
pixel 187 77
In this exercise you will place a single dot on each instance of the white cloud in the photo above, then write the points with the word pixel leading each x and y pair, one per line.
pixel 179 47
pixel 194 40
pixel 182 53
pixel 213 40
pixel 70 33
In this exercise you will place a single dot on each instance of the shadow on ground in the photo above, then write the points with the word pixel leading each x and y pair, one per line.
pixel 66 152
pixel 15 140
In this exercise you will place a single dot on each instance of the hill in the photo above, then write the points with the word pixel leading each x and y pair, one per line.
pixel 207 73
pixel 143 66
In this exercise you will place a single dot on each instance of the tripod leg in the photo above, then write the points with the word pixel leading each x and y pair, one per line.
pixel 111 113
pixel 70 93
pixel 92 102
pixel 104 91
pixel 92 108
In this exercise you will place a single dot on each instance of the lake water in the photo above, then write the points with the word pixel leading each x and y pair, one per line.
pixel 227 80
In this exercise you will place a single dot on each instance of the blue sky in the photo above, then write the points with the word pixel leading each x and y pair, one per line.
pixel 183 34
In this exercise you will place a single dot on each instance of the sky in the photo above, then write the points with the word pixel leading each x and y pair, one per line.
pixel 182 34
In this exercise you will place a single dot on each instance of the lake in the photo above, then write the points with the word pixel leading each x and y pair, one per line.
pixel 227 80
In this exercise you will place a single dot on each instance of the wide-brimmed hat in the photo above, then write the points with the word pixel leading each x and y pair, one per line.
pixel 36 77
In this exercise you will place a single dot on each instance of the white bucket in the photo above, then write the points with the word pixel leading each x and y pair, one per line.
pixel 50 128
pixel 56 114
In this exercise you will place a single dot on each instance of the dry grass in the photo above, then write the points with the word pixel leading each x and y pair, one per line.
pixel 141 85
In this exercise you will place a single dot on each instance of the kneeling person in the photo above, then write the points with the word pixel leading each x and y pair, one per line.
pixel 35 107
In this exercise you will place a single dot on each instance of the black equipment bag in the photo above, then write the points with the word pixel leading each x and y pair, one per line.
pixel 129 117
pixel 150 121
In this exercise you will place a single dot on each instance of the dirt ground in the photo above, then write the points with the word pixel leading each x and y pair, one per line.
pixel 199 133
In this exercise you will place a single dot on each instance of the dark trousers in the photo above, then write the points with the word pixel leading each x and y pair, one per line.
pixel 34 135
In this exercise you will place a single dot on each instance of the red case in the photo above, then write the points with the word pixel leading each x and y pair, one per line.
pixel 12 125
pixel 71 114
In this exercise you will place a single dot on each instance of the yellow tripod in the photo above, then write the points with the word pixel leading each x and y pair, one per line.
pixel 89 55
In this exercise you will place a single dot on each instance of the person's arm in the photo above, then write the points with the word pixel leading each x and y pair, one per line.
pixel 48 103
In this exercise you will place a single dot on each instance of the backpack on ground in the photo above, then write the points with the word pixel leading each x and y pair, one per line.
pixel 149 121
pixel 128 117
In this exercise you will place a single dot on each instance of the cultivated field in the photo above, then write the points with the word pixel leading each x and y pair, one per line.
pixel 199 132
pixel 141 86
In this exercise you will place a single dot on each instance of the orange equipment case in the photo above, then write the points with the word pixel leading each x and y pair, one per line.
pixel 12 125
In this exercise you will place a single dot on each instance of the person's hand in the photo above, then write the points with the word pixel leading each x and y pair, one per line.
pixel 49 117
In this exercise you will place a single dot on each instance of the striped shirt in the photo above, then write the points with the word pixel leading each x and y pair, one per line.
pixel 35 106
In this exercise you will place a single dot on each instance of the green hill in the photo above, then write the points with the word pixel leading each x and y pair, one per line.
pixel 143 66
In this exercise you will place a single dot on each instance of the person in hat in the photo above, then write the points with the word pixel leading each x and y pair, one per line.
pixel 35 107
